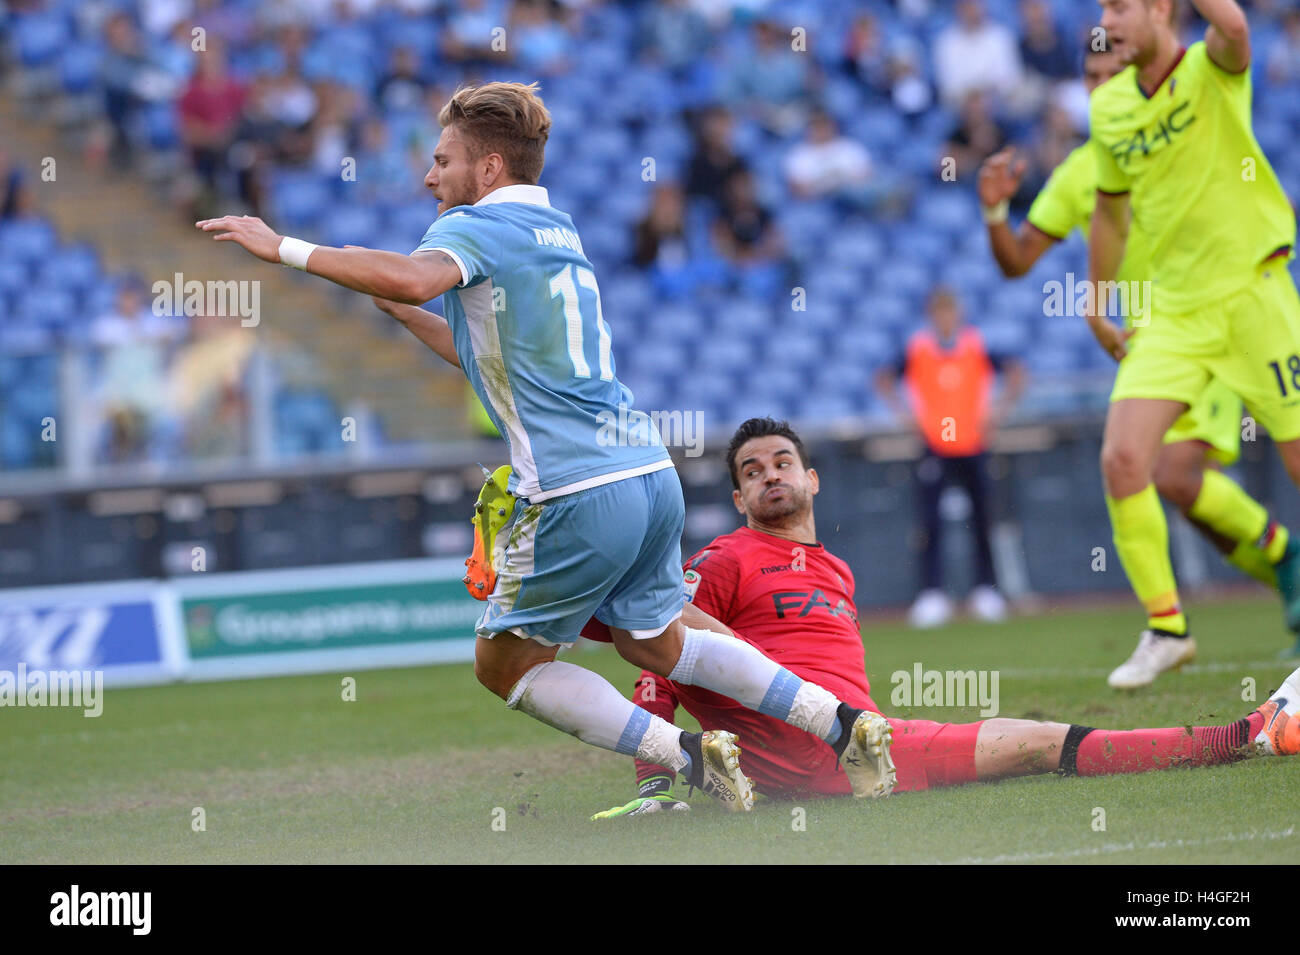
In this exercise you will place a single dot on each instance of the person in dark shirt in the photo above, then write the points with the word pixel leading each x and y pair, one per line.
pixel 121 69
pixel 714 161
pixel 660 244
pixel 745 231
pixel 402 88
pixel 1041 48
pixel 748 240
pixel 15 197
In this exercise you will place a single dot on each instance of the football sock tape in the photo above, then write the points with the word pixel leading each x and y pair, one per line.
pixel 1070 748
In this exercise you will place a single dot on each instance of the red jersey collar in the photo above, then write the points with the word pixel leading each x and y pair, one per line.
pixel 1168 73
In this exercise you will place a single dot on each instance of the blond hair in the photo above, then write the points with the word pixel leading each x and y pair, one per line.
pixel 1173 11
pixel 505 118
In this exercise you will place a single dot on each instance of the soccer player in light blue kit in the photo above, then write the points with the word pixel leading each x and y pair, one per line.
pixel 597 527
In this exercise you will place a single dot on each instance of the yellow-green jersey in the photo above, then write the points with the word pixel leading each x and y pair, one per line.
pixel 1066 202
pixel 1201 188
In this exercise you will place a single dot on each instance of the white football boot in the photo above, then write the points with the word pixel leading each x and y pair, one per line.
pixel 1154 655
pixel 987 604
pixel 932 609
pixel 1281 733
pixel 866 759
pixel 715 769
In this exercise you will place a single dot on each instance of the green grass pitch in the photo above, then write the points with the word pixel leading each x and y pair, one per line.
pixel 420 765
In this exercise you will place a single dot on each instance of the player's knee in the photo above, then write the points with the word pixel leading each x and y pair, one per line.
pixel 1123 466
pixel 490 675
pixel 497 672
pixel 657 654
pixel 649 655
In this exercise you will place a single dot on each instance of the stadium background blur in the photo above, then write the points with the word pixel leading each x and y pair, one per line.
pixel 760 187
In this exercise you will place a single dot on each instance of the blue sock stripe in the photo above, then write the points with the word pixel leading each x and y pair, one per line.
pixel 637 724
pixel 780 695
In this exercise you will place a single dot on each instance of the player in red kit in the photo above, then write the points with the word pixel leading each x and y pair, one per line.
pixel 770 584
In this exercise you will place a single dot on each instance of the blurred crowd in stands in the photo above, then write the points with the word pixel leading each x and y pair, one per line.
pixel 715 155
pixel 150 386
pixel 168 387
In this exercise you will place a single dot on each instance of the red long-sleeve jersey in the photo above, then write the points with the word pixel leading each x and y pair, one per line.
pixel 793 601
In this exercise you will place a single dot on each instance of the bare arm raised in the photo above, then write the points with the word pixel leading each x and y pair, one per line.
pixel 1015 251
pixel 1227 39
pixel 408 279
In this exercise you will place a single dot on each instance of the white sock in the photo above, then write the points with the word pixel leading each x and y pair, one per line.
pixel 736 669
pixel 584 704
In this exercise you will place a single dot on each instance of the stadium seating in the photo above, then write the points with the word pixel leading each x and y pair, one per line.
pixel 50 293
pixel 616 103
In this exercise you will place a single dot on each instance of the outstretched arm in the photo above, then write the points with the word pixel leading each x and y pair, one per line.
pixel 408 279
pixel 1015 251
pixel 1227 39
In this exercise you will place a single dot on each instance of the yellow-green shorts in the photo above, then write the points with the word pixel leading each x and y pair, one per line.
pixel 1215 419
pixel 1249 342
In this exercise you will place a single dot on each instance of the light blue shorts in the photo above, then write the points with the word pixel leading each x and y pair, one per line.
pixel 613 552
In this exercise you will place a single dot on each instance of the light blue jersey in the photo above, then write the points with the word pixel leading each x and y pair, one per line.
pixel 532 339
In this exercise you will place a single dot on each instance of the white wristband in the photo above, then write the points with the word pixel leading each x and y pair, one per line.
pixel 994 215
pixel 295 252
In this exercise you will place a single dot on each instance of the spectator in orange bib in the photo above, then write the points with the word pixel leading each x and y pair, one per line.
pixel 948 376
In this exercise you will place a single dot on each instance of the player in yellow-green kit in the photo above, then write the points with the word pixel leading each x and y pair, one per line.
pixel 1174 148
pixel 1208 433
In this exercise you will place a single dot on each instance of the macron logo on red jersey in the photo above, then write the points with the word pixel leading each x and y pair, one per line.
pixel 798 563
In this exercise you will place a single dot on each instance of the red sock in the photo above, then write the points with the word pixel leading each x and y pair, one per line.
pixel 1105 752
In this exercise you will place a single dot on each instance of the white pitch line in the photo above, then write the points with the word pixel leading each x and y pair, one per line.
pixel 1225 666
pixel 1112 848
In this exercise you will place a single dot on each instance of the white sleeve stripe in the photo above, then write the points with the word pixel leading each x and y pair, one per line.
pixel 460 264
